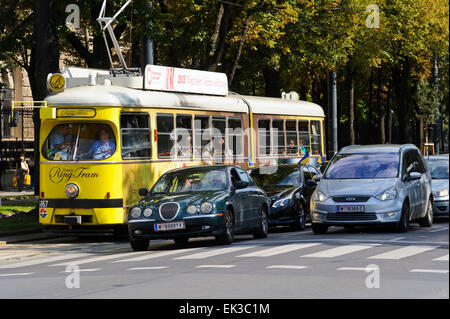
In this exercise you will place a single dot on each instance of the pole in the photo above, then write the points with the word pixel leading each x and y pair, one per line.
pixel 334 113
pixel 437 134
pixel 148 43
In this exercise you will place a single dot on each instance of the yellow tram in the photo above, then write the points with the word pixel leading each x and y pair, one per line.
pixel 104 136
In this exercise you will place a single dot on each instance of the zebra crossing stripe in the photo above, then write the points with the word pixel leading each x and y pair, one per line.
pixel 278 250
pixel 286 267
pixel 43 260
pixel 215 252
pixel 156 255
pixel 403 252
pixel 443 258
pixel 94 259
pixel 339 251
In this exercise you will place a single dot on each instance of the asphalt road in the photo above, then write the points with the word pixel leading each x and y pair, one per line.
pixel 361 263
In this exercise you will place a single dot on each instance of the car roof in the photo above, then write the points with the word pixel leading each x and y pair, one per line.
pixel 375 148
pixel 199 167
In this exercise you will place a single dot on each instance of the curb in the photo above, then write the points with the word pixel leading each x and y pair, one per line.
pixel 20 232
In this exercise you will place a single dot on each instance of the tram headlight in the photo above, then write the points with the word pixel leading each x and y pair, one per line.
pixel 147 212
pixel 206 208
pixel 136 212
pixel 72 190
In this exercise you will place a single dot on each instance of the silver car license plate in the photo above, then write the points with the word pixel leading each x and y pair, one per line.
pixel 169 226
pixel 350 209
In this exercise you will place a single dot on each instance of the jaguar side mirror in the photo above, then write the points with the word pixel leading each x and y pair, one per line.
pixel 143 192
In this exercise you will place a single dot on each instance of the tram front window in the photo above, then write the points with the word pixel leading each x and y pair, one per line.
pixel 74 141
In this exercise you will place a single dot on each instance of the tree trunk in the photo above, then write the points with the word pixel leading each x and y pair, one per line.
pixel 370 107
pixel 239 49
pixel 381 109
pixel 402 95
pixel 272 81
pixel 44 60
pixel 389 114
pixel 351 103
pixel 173 48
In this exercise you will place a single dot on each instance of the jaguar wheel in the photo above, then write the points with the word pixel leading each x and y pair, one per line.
pixel 227 237
pixel 300 219
pixel 319 229
pixel 139 244
pixel 263 229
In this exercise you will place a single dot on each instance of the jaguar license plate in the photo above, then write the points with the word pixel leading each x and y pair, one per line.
pixel 350 209
pixel 169 226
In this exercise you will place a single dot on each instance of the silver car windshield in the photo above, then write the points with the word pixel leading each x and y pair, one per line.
pixel 363 166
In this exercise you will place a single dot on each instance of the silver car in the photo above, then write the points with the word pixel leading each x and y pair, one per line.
pixel 438 165
pixel 373 184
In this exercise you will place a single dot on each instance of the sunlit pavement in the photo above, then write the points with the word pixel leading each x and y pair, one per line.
pixel 355 263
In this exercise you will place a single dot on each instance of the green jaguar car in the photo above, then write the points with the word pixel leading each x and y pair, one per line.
pixel 200 201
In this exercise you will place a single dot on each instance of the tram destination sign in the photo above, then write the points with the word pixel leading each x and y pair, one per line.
pixel 163 78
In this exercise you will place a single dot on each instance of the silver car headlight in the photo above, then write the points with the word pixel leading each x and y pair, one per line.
pixel 320 196
pixel 147 212
pixel 388 194
pixel 136 212
pixel 206 208
pixel 441 193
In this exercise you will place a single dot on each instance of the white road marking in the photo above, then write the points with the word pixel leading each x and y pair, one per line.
pixel 438 229
pixel 215 266
pixel 286 267
pixel 81 270
pixel 397 239
pixel 215 252
pixel 278 250
pixel 339 251
pixel 434 271
pixel 42 260
pixel 94 259
pixel 352 268
pixel 148 268
pixel 443 258
pixel 155 255
pixel 403 252
pixel 19 274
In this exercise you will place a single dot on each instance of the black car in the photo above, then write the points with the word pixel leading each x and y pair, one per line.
pixel 218 201
pixel 289 188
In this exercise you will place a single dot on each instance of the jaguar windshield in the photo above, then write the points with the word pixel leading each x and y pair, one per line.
pixel 363 166
pixel 191 181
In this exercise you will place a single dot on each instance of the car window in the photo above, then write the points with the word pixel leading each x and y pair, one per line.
pixel 245 177
pixel 283 176
pixel 438 169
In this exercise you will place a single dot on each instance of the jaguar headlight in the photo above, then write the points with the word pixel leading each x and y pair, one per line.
pixel 206 208
pixel 136 212
pixel 192 209
pixel 388 194
pixel 282 202
pixel 72 190
pixel 441 193
pixel 320 196
pixel 147 212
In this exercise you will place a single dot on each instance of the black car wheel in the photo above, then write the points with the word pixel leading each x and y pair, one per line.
pixel 403 225
pixel 263 229
pixel 227 237
pixel 427 221
pixel 181 240
pixel 139 244
pixel 300 219
pixel 319 229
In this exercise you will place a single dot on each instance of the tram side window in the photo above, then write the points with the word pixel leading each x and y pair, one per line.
pixel 303 135
pixel 218 136
pixel 79 141
pixel 184 136
pixel 164 123
pixel 264 136
pixel 278 135
pixel 315 138
pixel 291 137
pixel 201 135
pixel 235 137
pixel 136 135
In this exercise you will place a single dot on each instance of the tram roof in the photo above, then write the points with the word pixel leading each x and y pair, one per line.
pixel 111 95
